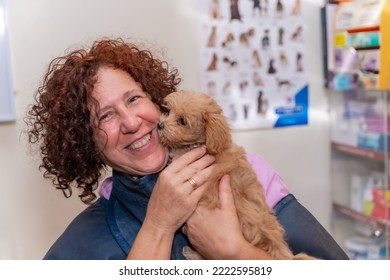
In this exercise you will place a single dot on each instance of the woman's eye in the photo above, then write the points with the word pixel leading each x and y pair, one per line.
pixel 133 99
pixel 182 121
pixel 135 95
pixel 105 116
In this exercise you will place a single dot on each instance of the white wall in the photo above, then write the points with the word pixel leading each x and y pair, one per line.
pixel 33 213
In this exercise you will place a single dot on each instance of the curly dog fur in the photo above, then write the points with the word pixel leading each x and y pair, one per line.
pixel 195 119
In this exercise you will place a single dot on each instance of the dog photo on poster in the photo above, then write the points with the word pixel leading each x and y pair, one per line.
pixel 253 61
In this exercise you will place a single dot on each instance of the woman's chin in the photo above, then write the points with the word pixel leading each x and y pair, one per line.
pixel 157 165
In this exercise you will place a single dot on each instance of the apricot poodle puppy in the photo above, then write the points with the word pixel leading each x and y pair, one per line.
pixel 195 119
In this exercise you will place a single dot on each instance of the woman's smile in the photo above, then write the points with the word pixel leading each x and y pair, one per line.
pixel 140 143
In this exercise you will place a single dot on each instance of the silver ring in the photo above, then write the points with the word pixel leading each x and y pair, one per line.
pixel 192 183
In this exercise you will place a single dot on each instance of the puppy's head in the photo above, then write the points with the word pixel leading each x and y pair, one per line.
pixel 193 119
pixel 230 37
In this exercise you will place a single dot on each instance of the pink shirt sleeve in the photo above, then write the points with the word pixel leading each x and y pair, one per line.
pixel 274 187
pixel 105 188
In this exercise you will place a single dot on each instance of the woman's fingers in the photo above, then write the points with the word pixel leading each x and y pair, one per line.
pixel 192 168
pixel 179 188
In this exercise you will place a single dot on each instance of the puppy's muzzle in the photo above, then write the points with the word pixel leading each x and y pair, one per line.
pixel 160 126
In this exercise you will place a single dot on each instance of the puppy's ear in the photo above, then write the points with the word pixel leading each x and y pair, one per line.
pixel 217 130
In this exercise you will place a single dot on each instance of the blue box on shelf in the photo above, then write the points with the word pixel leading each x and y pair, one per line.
pixel 373 141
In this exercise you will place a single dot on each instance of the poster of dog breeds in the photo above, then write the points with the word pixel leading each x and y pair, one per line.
pixel 253 61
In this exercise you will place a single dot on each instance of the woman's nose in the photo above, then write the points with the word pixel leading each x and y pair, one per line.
pixel 130 122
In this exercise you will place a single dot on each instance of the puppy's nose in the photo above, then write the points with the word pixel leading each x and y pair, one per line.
pixel 160 125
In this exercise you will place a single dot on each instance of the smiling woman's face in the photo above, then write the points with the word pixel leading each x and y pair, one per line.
pixel 127 134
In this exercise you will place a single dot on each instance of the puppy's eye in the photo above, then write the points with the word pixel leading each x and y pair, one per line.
pixel 181 121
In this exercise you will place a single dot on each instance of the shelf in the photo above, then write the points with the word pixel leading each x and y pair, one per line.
pixel 377 223
pixel 359 152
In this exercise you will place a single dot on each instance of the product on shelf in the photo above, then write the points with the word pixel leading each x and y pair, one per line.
pixel 366 248
pixel 381 202
pixel 369 196
pixel 357 51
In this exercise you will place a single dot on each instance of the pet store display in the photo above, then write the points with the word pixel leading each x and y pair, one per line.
pixel 356 74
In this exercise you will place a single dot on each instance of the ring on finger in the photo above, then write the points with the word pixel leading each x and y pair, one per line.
pixel 193 183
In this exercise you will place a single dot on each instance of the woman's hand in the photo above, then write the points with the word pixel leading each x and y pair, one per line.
pixel 174 198
pixel 216 233
pixel 172 202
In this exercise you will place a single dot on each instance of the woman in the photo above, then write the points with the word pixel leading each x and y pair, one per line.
pixel 99 108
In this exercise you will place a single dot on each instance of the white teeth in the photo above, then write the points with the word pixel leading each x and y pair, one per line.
pixel 141 142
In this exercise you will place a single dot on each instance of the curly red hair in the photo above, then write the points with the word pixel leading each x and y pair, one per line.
pixel 60 121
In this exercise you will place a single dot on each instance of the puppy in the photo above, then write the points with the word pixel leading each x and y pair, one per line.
pixel 245 37
pixel 280 36
pixel 271 67
pixel 227 43
pixel 230 63
pixel 234 10
pixel 256 59
pixel 279 9
pixel 296 11
pixel 214 10
pixel 280 83
pixel 195 119
pixel 257 81
pixel 213 63
pixel 265 41
pixel 227 88
pixel 297 35
pixel 212 40
pixel 283 58
pixel 299 62
pixel 262 104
